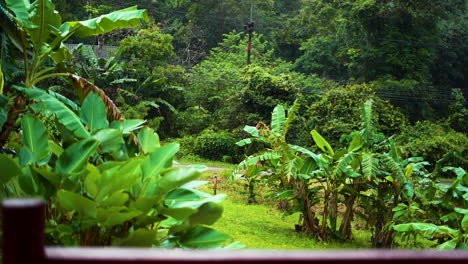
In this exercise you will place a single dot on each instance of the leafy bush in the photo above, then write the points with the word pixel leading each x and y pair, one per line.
pixel 433 140
pixel 216 145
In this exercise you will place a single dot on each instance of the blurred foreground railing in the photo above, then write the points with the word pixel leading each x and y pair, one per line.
pixel 23 234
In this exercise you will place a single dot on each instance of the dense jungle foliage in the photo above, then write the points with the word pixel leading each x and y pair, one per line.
pixel 349 109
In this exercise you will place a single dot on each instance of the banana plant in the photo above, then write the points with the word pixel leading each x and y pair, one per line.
pixel 102 188
pixel 37 31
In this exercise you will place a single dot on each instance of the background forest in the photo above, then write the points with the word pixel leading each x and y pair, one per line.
pixel 377 88
pixel 186 70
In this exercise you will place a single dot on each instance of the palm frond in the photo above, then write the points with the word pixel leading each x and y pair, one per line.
pixel 85 87
pixel 366 116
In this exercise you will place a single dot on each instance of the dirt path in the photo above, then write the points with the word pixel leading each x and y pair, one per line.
pixel 210 168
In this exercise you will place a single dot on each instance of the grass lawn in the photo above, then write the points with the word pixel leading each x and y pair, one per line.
pixel 262 226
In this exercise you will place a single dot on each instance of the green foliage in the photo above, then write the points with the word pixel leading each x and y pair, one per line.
pixel 102 190
pixel 217 146
pixel 337 112
pixel 433 141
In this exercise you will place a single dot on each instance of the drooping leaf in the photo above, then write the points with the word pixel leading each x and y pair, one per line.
pixel 322 143
pixel 75 157
pixel 244 142
pixel 278 119
pixel 202 237
pixel 93 113
pixel 64 114
pixel 125 18
pixel 149 140
pixel 427 229
pixel 35 138
pixel 113 113
pixel 74 202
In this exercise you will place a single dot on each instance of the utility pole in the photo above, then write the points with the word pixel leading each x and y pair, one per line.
pixel 249 28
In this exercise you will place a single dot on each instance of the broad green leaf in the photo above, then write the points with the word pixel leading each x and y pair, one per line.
pixel 409 170
pixel 118 179
pixel 64 114
pixel 184 195
pixel 207 214
pixel 116 199
pixel 322 143
pixel 35 138
pixel 115 216
pixel 93 113
pixel 451 244
pixel 65 100
pixel 195 204
pixel 305 151
pixel 278 119
pixel 427 229
pixel 138 238
pixel 44 21
pixel 55 148
pixel 356 144
pixel 109 139
pixel 21 10
pixel 253 131
pixel 159 159
pixel 75 202
pixel 75 157
pixel 125 18
pixel 179 213
pixel 149 140
pixel 9 168
pixel 176 178
pixel 47 173
pixel 128 126
pixel 244 142
pixel 26 157
pixel 202 237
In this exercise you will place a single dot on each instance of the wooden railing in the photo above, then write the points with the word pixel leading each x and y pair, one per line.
pixel 23 234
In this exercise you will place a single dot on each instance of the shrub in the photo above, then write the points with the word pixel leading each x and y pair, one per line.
pixel 216 145
pixel 433 140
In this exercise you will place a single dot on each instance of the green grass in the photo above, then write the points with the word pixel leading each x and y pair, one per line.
pixel 262 226
pixel 200 161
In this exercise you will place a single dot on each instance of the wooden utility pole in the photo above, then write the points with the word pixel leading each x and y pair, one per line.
pixel 249 28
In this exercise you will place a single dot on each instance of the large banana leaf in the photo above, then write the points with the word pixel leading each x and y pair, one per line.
pixel 35 138
pixel 49 104
pixel 322 143
pixel 21 10
pixel 93 113
pixel 159 159
pixel 125 18
pixel 12 29
pixel 75 157
pixel 278 119
pixel 149 140
pixel 44 21
pixel 203 237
